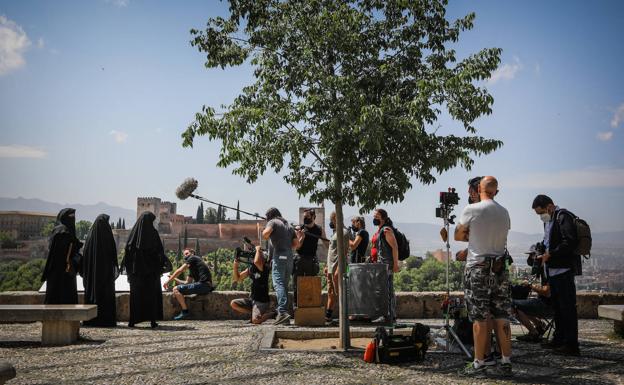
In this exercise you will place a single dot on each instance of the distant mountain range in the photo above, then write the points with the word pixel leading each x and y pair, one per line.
pixel 83 212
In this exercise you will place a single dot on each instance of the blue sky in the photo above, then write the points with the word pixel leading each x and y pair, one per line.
pixel 95 94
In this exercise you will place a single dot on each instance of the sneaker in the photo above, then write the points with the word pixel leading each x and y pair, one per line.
pixel 183 314
pixel 380 320
pixel 532 338
pixel 282 319
pixel 567 350
pixel 470 371
pixel 504 369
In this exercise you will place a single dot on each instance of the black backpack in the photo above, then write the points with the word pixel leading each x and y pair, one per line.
pixel 583 235
pixel 402 242
pixel 391 349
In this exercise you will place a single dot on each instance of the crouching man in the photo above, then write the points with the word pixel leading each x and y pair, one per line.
pixel 258 303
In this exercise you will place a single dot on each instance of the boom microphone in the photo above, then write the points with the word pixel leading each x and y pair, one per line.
pixel 189 185
pixel 186 189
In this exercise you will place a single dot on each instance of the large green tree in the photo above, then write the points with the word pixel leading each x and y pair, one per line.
pixel 346 97
pixel 82 229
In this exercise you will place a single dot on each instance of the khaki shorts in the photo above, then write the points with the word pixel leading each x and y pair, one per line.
pixel 256 308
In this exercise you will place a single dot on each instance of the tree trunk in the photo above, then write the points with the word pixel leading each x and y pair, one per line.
pixel 345 335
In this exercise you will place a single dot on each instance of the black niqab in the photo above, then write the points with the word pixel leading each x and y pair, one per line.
pixel 145 261
pixel 99 269
pixel 59 275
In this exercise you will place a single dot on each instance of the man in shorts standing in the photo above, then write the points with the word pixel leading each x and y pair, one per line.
pixel 484 226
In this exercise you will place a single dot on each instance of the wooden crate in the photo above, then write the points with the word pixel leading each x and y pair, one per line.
pixel 308 291
pixel 310 316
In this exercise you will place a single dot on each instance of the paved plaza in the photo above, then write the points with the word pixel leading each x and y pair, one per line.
pixel 227 352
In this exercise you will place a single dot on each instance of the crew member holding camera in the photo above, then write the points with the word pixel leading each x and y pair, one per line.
pixel 283 239
pixel 530 311
pixel 560 239
pixel 484 226
pixel 199 280
pixel 359 243
pixel 306 263
pixel 258 303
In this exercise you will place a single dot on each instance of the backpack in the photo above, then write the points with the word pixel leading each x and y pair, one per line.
pixel 402 243
pixel 391 349
pixel 583 235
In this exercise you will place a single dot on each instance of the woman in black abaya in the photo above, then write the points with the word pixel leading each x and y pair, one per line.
pixel 144 262
pixel 60 269
pixel 99 269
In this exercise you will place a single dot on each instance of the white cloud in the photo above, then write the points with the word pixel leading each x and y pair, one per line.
pixel 13 45
pixel 40 43
pixel 119 136
pixel 583 178
pixel 17 151
pixel 618 116
pixel 506 72
pixel 605 136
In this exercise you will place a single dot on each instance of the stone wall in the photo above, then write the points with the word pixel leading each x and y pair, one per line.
pixel 216 305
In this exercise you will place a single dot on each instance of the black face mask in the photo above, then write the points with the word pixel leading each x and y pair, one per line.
pixel 354 228
pixel 376 222
pixel 332 225
pixel 307 221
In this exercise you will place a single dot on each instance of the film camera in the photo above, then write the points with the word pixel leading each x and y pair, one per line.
pixel 247 253
pixel 535 251
pixel 448 199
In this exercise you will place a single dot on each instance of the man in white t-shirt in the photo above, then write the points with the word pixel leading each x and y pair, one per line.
pixel 484 225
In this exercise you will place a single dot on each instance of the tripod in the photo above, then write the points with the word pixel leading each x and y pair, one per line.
pixel 450 333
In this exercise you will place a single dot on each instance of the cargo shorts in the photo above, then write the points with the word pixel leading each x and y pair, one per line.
pixel 487 294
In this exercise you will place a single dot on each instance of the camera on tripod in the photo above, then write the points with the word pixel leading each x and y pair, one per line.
pixel 448 199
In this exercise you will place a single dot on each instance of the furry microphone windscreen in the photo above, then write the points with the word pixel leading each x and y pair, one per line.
pixel 186 188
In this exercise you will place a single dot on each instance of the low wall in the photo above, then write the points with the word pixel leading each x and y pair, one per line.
pixel 216 305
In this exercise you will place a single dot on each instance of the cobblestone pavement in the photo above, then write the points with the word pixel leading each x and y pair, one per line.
pixel 226 352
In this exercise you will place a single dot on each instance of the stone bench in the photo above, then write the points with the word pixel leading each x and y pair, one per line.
pixel 7 371
pixel 60 323
pixel 616 313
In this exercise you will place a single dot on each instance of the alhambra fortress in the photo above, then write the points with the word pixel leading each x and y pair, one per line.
pixel 174 229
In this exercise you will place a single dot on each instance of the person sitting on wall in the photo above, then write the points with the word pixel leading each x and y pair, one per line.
pixel 258 302
pixel 199 280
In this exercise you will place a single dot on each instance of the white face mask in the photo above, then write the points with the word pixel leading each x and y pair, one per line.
pixel 545 217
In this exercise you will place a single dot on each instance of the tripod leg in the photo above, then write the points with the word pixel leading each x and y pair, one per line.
pixel 456 338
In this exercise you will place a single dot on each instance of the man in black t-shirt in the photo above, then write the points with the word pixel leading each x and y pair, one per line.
pixel 359 243
pixel 199 280
pixel 306 262
pixel 258 303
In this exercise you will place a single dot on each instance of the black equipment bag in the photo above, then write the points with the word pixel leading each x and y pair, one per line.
pixel 392 349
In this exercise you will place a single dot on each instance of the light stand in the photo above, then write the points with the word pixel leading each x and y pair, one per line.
pixel 444 212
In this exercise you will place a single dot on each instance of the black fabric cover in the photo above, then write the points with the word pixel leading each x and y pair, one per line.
pixel 99 270
pixel 144 262
pixel 58 273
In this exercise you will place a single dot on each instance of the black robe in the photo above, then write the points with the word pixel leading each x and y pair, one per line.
pixel 59 272
pixel 144 262
pixel 99 269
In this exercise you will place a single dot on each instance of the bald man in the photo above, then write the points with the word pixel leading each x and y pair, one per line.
pixel 484 225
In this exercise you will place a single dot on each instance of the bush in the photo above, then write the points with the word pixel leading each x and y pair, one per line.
pixel 16 275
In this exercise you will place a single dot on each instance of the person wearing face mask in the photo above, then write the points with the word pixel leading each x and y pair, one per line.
pixel 359 243
pixel 306 262
pixel 561 266
pixel 386 250
pixel 331 270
